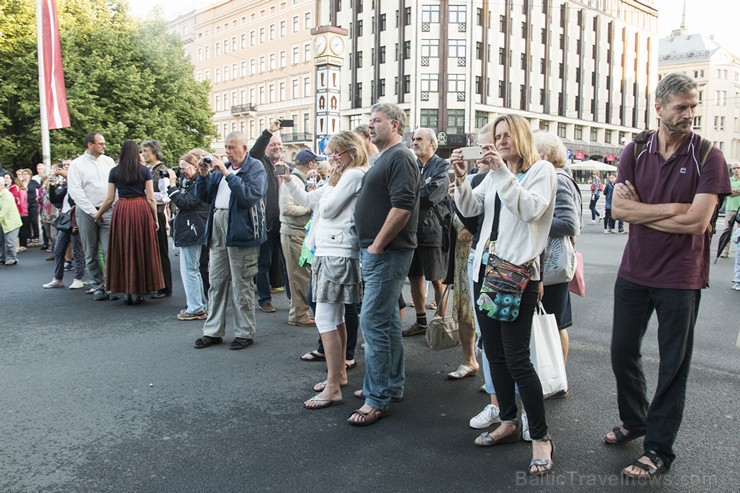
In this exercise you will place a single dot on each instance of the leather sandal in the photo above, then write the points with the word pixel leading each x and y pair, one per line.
pixel 486 440
pixel 621 438
pixel 368 417
pixel 546 465
pixel 660 466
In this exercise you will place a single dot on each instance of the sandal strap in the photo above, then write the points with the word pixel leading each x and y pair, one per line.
pixel 540 462
pixel 546 438
pixel 645 467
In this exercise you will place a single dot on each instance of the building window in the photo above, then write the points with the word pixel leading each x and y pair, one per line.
pixel 252 37
pixel 262 64
pixel 697 123
pixel 719 122
pixel 455 121
pixel 457 48
pixel 430 48
pixel 607 136
pixel 272 61
pixel 561 130
pixel 456 83
pixel 594 135
pixel 218 49
pixel 262 35
pixel 218 75
pixel 429 118
pixel 282 29
pixel 294 88
pixel 243 41
pixel 406 50
pixel 295 54
pixel 295 24
pixel 381 87
pixel 307 52
pixel 406 84
pixel 481 119
pixel 382 54
pixel 306 87
pixel 382 23
pixel 283 59
pixel 272 32
pixel 429 82
pixel 458 14
pixel 430 13
pixel 578 132
pixel 281 91
pixel 252 66
pixel 307 21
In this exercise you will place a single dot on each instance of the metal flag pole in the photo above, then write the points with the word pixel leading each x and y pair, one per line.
pixel 45 145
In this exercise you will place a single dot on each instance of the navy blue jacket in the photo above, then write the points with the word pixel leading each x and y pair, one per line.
pixel 246 207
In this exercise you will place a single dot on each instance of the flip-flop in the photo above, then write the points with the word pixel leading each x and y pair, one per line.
pixel 319 387
pixel 323 403
pixel 370 417
pixel 313 356
pixel 350 364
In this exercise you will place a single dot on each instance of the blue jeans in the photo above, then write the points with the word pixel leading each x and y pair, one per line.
pixel 383 275
pixel 192 282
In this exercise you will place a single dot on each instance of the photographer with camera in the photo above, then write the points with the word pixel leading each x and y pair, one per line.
pixel 235 229
pixel 189 234
pixel 151 151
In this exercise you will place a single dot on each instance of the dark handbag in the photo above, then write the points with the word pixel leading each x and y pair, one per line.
pixel 63 222
pixel 503 282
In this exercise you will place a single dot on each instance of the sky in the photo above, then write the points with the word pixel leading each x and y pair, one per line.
pixel 718 17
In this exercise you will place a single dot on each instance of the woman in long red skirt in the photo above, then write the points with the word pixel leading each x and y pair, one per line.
pixel 133 265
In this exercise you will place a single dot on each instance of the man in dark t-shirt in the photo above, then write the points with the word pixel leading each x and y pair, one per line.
pixel 386 214
pixel 668 194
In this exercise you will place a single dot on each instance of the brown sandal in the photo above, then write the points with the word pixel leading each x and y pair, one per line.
pixel 368 417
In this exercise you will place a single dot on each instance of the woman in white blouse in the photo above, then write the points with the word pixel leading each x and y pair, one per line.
pixel 525 186
pixel 336 277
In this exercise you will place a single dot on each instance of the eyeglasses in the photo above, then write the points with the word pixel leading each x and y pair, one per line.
pixel 337 155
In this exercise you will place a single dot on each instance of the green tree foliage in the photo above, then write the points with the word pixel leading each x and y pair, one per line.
pixel 126 78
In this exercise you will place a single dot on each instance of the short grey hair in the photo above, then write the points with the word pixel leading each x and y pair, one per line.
pixel 240 137
pixel 154 146
pixel 673 84
pixel 487 128
pixel 550 148
pixel 392 112
pixel 363 131
pixel 430 134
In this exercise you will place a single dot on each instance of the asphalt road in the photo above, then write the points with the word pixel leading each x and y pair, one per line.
pixel 99 396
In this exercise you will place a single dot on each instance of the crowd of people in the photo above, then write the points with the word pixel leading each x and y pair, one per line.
pixel 342 232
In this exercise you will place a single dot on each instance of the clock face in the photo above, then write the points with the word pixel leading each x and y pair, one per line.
pixel 319 44
pixel 337 45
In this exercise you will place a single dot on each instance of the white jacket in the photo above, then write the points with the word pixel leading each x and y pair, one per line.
pixel 332 232
pixel 527 207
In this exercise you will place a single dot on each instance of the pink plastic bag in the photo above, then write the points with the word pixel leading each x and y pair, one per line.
pixel 577 284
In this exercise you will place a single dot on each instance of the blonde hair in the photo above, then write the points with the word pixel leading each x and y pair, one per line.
pixel 551 148
pixel 351 143
pixel 190 158
pixel 521 134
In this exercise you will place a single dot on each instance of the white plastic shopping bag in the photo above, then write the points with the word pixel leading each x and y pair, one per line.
pixel 547 353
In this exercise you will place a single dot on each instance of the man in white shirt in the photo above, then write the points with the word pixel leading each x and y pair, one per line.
pixel 87 185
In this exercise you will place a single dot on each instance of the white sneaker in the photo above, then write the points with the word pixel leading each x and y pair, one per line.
pixel 592 222
pixel 525 428
pixel 77 284
pixel 736 286
pixel 55 283
pixel 484 419
pixel 606 232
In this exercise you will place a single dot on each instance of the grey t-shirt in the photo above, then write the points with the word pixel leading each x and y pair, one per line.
pixel 393 181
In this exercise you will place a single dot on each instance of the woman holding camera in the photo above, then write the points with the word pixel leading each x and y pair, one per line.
pixel 336 265
pixel 517 198
pixel 133 265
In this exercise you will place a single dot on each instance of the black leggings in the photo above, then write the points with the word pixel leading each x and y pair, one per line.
pixel 507 348
pixel 592 206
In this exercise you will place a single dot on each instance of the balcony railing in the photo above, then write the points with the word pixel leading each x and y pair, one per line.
pixel 297 137
pixel 243 108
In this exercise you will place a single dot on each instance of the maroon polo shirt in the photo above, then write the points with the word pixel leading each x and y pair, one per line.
pixel 667 260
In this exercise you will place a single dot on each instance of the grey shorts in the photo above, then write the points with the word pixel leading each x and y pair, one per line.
pixel 429 262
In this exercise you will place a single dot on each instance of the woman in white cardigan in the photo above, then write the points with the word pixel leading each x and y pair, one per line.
pixel 526 188
pixel 336 266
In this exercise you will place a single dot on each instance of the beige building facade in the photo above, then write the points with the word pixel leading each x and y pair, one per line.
pixel 585 70
pixel 257 55
pixel 717 71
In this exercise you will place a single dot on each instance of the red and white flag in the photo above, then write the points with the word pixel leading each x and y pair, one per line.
pixel 50 61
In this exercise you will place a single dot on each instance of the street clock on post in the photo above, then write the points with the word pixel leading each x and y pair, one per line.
pixel 329 52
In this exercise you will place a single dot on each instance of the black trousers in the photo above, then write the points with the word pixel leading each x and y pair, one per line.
pixel 608 221
pixel 25 233
pixel 507 348
pixel 164 255
pixel 33 220
pixel 676 310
